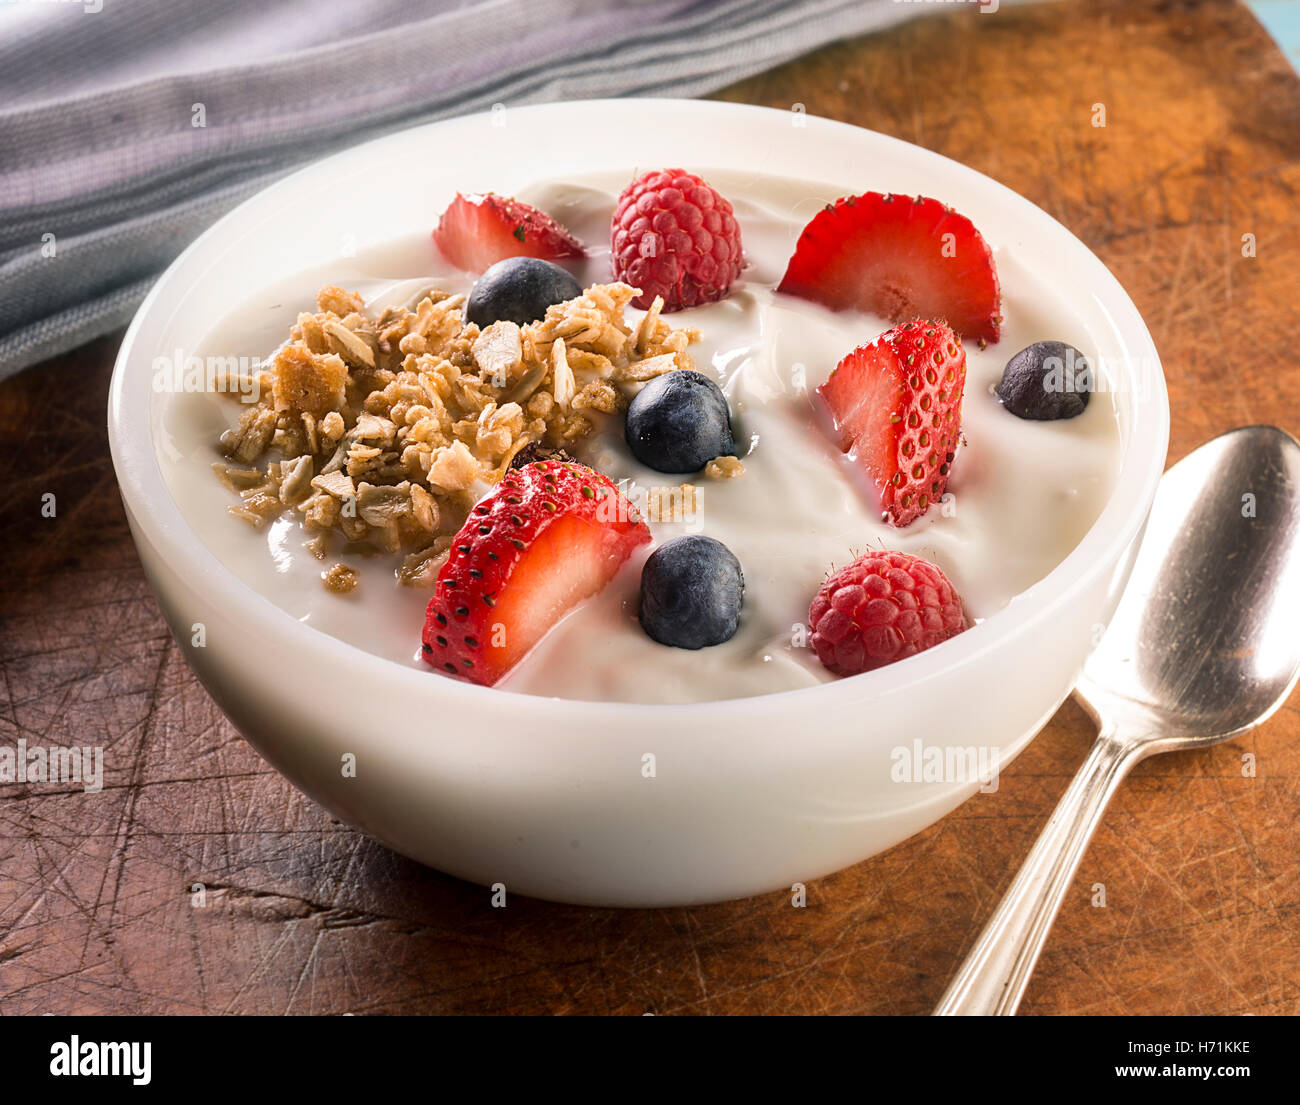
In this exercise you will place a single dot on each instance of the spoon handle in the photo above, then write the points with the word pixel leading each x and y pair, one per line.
pixel 993 978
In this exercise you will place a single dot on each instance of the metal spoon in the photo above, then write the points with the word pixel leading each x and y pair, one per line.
pixel 1202 648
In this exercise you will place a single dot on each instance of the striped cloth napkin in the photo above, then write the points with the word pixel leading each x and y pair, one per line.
pixel 127 126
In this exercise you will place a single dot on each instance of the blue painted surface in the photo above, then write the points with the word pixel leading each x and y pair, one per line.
pixel 1282 20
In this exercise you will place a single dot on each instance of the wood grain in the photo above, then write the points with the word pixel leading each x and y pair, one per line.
pixel 304 915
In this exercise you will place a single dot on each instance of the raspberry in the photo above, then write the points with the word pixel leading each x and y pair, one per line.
pixel 676 236
pixel 882 607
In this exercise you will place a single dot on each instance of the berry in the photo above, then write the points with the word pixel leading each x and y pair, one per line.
pixel 896 409
pixel 692 589
pixel 535 450
pixel 882 607
pixel 675 236
pixel 678 422
pixel 547 537
pixel 519 289
pixel 477 230
pixel 1046 381
pixel 898 257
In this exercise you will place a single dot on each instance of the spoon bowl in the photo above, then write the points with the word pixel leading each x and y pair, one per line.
pixel 1202 648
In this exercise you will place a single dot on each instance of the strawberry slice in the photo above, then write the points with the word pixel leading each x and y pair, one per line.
pixel 478 230
pixel 896 410
pixel 898 257
pixel 551 534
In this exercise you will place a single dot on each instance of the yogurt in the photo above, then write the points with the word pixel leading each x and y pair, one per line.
pixel 1020 497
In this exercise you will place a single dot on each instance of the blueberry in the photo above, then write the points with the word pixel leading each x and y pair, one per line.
pixel 519 289
pixel 692 589
pixel 1046 381
pixel 679 422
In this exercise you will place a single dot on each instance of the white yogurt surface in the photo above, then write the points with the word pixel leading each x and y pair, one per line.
pixel 1023 493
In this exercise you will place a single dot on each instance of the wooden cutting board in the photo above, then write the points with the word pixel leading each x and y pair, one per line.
pixel 301 914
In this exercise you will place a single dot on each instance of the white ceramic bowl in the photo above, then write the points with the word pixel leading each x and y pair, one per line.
pixel 547 796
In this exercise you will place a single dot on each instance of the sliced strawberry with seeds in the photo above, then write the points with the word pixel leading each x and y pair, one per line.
pixel 478 230
pixel 550 535
pixel 898 257
pixel 895 406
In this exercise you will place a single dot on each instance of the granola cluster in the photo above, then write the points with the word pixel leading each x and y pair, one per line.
pixel 387 428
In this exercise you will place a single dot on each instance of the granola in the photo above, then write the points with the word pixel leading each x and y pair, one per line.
pixel 340 579
pixel 673 504
pixel 386 427
pixel 724 468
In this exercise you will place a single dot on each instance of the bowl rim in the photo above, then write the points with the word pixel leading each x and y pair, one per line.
pixel 157 517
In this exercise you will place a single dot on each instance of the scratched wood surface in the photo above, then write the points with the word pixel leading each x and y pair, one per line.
pixel 304 915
